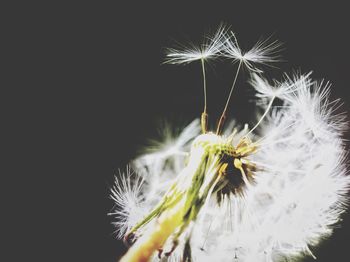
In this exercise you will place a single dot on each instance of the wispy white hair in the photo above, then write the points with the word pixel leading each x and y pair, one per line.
pixel 211 48
pixel 127 194
pixel 263 52
pixel 301 184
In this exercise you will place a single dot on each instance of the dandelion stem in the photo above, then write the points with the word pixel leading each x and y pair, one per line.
pixel 263 116
pixel 204 117
pixel 206 236
pixel 223 116
pixel 204 86
pixel 155 238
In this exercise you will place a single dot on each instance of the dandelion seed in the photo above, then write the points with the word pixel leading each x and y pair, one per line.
pixel 211 48
pixel 127 195
pixel 263 52
pixel 226 197
pixel 281 90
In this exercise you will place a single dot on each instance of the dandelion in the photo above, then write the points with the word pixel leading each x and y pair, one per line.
pixel 265 193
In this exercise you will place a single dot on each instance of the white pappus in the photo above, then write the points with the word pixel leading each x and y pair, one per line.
pixel 267 193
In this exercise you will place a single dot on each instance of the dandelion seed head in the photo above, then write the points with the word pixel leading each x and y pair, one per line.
pixel 300 183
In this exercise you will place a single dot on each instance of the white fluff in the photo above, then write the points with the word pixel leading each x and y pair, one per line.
pixel 211 48
pixel 127 194
pixel 263 52
pixel 300 187
pixel 299 195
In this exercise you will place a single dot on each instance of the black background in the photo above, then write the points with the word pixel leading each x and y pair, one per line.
pixel 89 90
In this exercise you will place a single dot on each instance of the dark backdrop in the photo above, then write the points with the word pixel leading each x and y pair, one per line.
pixel 94 89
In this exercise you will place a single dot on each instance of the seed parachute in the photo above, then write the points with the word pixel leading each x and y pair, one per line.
pixel 268 192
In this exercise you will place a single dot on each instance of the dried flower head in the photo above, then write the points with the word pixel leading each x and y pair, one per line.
pixel 264 193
